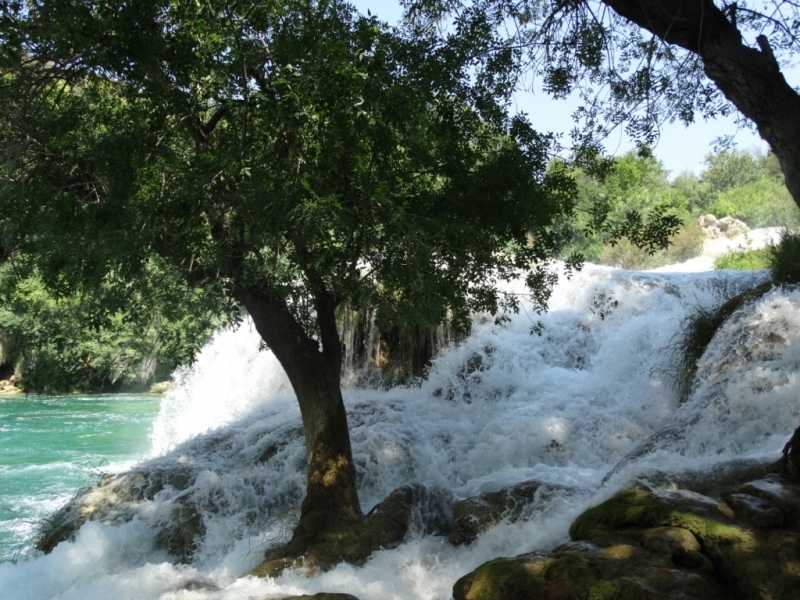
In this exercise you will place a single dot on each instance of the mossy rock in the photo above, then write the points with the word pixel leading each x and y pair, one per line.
pixel 612 567
pixel 642 509
pixel 747 560
pixel 182 532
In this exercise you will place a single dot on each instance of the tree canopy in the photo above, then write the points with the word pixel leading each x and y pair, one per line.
pixel 639 63
pixel 289 156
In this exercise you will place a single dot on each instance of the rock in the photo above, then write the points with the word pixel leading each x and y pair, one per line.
pixel 476 515
pixel 769 500
pixel 725 227
pixel 642 509
pixel 662 544
pixel 113 500
pixel 160 388
pixel 8 387
pixel 611 567
pixel 181 533
pixel 415 508
pixel 748 561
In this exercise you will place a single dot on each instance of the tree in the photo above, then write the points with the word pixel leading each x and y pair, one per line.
pixel 290 155
pixel 112 337
pixel 639 63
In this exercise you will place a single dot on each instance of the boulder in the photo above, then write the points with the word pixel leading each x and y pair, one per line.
pixel 725 227
pixel 610 567
pixel 116 499
pixel 663 544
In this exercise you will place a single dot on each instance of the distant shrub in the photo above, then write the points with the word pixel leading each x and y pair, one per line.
pixel 687 244
pixel 764 203
pixel 744 260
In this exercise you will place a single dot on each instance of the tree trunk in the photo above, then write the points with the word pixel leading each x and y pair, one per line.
pixel 751 79
pixel 331 499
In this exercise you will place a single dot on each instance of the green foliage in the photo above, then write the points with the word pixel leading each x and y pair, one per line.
pixel 685 244
pixel 86 342
pixel 744 260
pixel 633 200
pixel 745 185
pixel 763 203
pixel 784 264
pixel 291 149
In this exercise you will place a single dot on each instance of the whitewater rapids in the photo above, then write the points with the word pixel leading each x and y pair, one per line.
pixel 563 407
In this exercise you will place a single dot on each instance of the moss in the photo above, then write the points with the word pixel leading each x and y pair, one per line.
pixel 501 579
pixel 641 509
pixel 602 590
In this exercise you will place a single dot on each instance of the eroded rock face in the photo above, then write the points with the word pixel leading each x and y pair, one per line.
pixel 663 544
pixel 725 227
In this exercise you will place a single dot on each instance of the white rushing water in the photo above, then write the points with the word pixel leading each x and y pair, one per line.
pixel 502 407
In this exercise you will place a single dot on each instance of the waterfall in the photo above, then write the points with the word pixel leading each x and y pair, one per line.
pixel 496 408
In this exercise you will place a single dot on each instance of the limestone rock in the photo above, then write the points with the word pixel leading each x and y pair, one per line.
pixel 647 544
pixel 725 227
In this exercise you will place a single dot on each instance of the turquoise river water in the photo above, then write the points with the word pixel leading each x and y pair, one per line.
pixel 51 446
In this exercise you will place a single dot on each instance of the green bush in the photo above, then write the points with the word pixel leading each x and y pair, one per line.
pixel 785 259
pixel 687 244
pixel 744 260
pixel 763 203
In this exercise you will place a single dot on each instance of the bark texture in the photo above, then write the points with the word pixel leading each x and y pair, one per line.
pixel 750 78
pixel 331 500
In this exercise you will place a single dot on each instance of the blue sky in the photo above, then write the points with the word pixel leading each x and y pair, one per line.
pixel 680 148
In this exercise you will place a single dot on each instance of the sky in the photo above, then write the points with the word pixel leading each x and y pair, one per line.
pixel 680 148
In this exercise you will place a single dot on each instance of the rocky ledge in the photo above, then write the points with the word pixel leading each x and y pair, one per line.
pixel 662 544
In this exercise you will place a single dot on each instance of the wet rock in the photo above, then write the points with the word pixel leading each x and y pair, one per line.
pixel 180 535
pixel 768 503
pixel 748 561
pixel 476 515
pixel 642 509
pixel 113 500
pixel 756 511
pixel 611 567
pixel 410 509
pixel 662 544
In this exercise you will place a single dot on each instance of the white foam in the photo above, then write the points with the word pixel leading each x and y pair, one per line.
pixel 564 407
